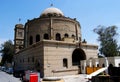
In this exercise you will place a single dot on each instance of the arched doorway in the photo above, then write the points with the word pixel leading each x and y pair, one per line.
pixel 78 55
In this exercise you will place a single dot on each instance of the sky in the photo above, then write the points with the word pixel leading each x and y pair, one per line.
pixel 90 14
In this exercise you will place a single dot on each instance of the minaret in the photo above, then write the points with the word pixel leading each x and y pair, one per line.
pixel 19 37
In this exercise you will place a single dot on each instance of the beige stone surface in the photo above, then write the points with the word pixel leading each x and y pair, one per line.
pixel 59 49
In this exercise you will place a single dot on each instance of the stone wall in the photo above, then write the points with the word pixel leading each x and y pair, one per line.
pixel 50 55
pixel 52 26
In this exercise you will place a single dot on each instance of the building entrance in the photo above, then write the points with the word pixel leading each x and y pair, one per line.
pixel 78 55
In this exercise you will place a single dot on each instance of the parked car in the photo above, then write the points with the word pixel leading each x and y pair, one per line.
pixel 18 73
pixel 0 67
pixel 9 70
pixel 3 68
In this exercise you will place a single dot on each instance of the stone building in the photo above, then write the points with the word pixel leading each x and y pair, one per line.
pixel 19 37
pixel 53 45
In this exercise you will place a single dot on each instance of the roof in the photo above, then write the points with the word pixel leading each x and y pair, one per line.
pixel 52 11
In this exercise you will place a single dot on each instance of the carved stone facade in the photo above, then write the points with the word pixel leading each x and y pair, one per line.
pixel 53 45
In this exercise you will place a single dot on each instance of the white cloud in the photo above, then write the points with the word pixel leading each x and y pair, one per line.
pixel 2 41
pixel 117 24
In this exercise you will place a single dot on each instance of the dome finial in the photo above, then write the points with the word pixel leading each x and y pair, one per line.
pixel 51 5
pixel 19 20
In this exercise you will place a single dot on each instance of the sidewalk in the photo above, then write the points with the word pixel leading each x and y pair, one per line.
pixel 72 78
pixel 4 77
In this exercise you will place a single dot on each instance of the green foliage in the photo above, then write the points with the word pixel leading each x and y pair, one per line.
pixel 107 39
pixel 7 51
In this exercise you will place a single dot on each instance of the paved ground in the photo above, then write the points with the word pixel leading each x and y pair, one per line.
pixel 4 77
pixel 73 78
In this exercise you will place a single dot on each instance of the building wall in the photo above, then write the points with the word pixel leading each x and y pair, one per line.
pixel 117 61
pixel 54 53
pixel 52 26
pixel 91 50
pixel 50 55
pixel 19 37
pixel 29 57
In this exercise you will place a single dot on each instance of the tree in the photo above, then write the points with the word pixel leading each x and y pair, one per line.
pixel 107 39
pixel 7 50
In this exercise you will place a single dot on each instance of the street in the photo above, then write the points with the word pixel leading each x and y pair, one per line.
pixel 4 77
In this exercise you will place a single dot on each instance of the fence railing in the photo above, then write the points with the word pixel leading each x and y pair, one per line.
pixel 90 70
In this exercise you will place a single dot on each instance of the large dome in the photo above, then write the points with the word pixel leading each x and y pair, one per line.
pixel 52 11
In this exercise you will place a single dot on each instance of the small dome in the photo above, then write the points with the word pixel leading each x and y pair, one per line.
pixel 19 26
pixel 52 11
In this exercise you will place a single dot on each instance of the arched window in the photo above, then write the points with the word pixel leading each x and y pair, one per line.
pixel 73 36
pixel 31 40
pixel 28 59
pixel 66 35
pixel 58 36
pixel 23 60
pixel 65 63
pixel 37 38
pixel 46 36
pixel 33 59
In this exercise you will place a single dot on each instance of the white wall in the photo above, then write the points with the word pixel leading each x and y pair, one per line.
pixel 117 61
